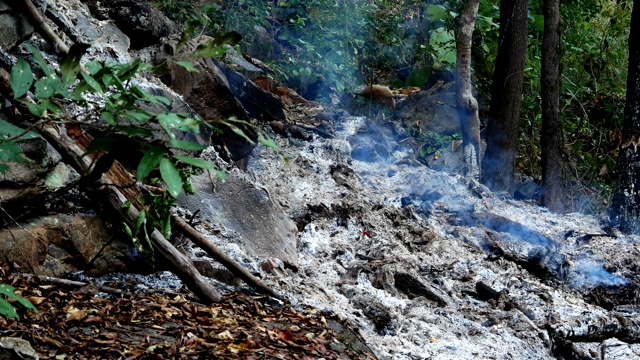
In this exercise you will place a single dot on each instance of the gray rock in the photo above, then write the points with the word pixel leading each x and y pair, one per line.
pixel 16 348
pixel 262 228
pixel 55 245
pixel 14 26
pixel 144 24
pixel 260 104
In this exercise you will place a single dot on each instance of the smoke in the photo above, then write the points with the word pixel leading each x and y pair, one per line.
pixel 589 273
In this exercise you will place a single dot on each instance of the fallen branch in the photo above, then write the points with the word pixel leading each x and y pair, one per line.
pixel 597 328
pixel 42 28
pixel 221 257
pixel 73 153
pixel 73 283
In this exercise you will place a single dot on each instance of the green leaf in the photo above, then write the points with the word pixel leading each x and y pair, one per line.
pixel 165 228
pixel 189 30
pixel 36 109
pixel 70 65
pixel 204 164
pixel 188 65
pixel 436 12
pixel 140 220
pixel 7 310
pixel 95 85
pixel 150 161
pixel 215 46
pixel 10 151
pixel 171 177
pixel 267 141
pixel 9 130
pixel 46 86
pixel 239 132
pixel 37 57
pixel 221 175
pixel 21 78
pixel 186 145
pixel 139 116
pixel 127 231
pixel 3 168
pixel 129 70
pixel 9 292
pixel 109 117
pixel 145 96
pixel 170 121
pixel 93 67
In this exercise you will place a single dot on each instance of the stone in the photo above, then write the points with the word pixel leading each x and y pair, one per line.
pixel 261 226
pixel 16 348
pixel 142 22
pixel 261 105
pixel 209 95
pixel 59 244
pixel 14 26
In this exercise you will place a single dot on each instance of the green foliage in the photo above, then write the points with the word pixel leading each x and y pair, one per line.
pixel 6 309
pixel 112 104
pixel 593 86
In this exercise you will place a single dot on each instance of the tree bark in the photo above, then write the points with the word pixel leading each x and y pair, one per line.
pixel 498 164
pixel 467 105
pixel 551 140
pixel 624 211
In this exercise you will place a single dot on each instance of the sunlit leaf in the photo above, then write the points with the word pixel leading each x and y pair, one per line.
pixel 267 141
pixel 21 78
pixel 93 67
pixel 204 164
pixel 95 85
pixel 188 65
pixel 171 177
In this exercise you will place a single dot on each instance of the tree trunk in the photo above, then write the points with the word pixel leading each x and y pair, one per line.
pixel 498 164
pixel 466 103
pixel 624 211
pixel 551 141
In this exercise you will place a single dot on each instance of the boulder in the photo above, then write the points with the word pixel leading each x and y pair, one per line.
pixel 144 24
pixel 59 244
pixel 261 105
pixel 208 93
pixel 14 26
pixel 248 214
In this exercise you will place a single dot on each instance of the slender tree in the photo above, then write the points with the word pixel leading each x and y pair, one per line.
pixel 498 165
pixel 624 211
pixel 467 105
pixel 551 140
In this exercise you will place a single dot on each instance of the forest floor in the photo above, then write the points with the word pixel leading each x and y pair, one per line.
pixel 88 323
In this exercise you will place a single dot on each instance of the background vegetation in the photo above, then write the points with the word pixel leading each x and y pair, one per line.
pixel 323 47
